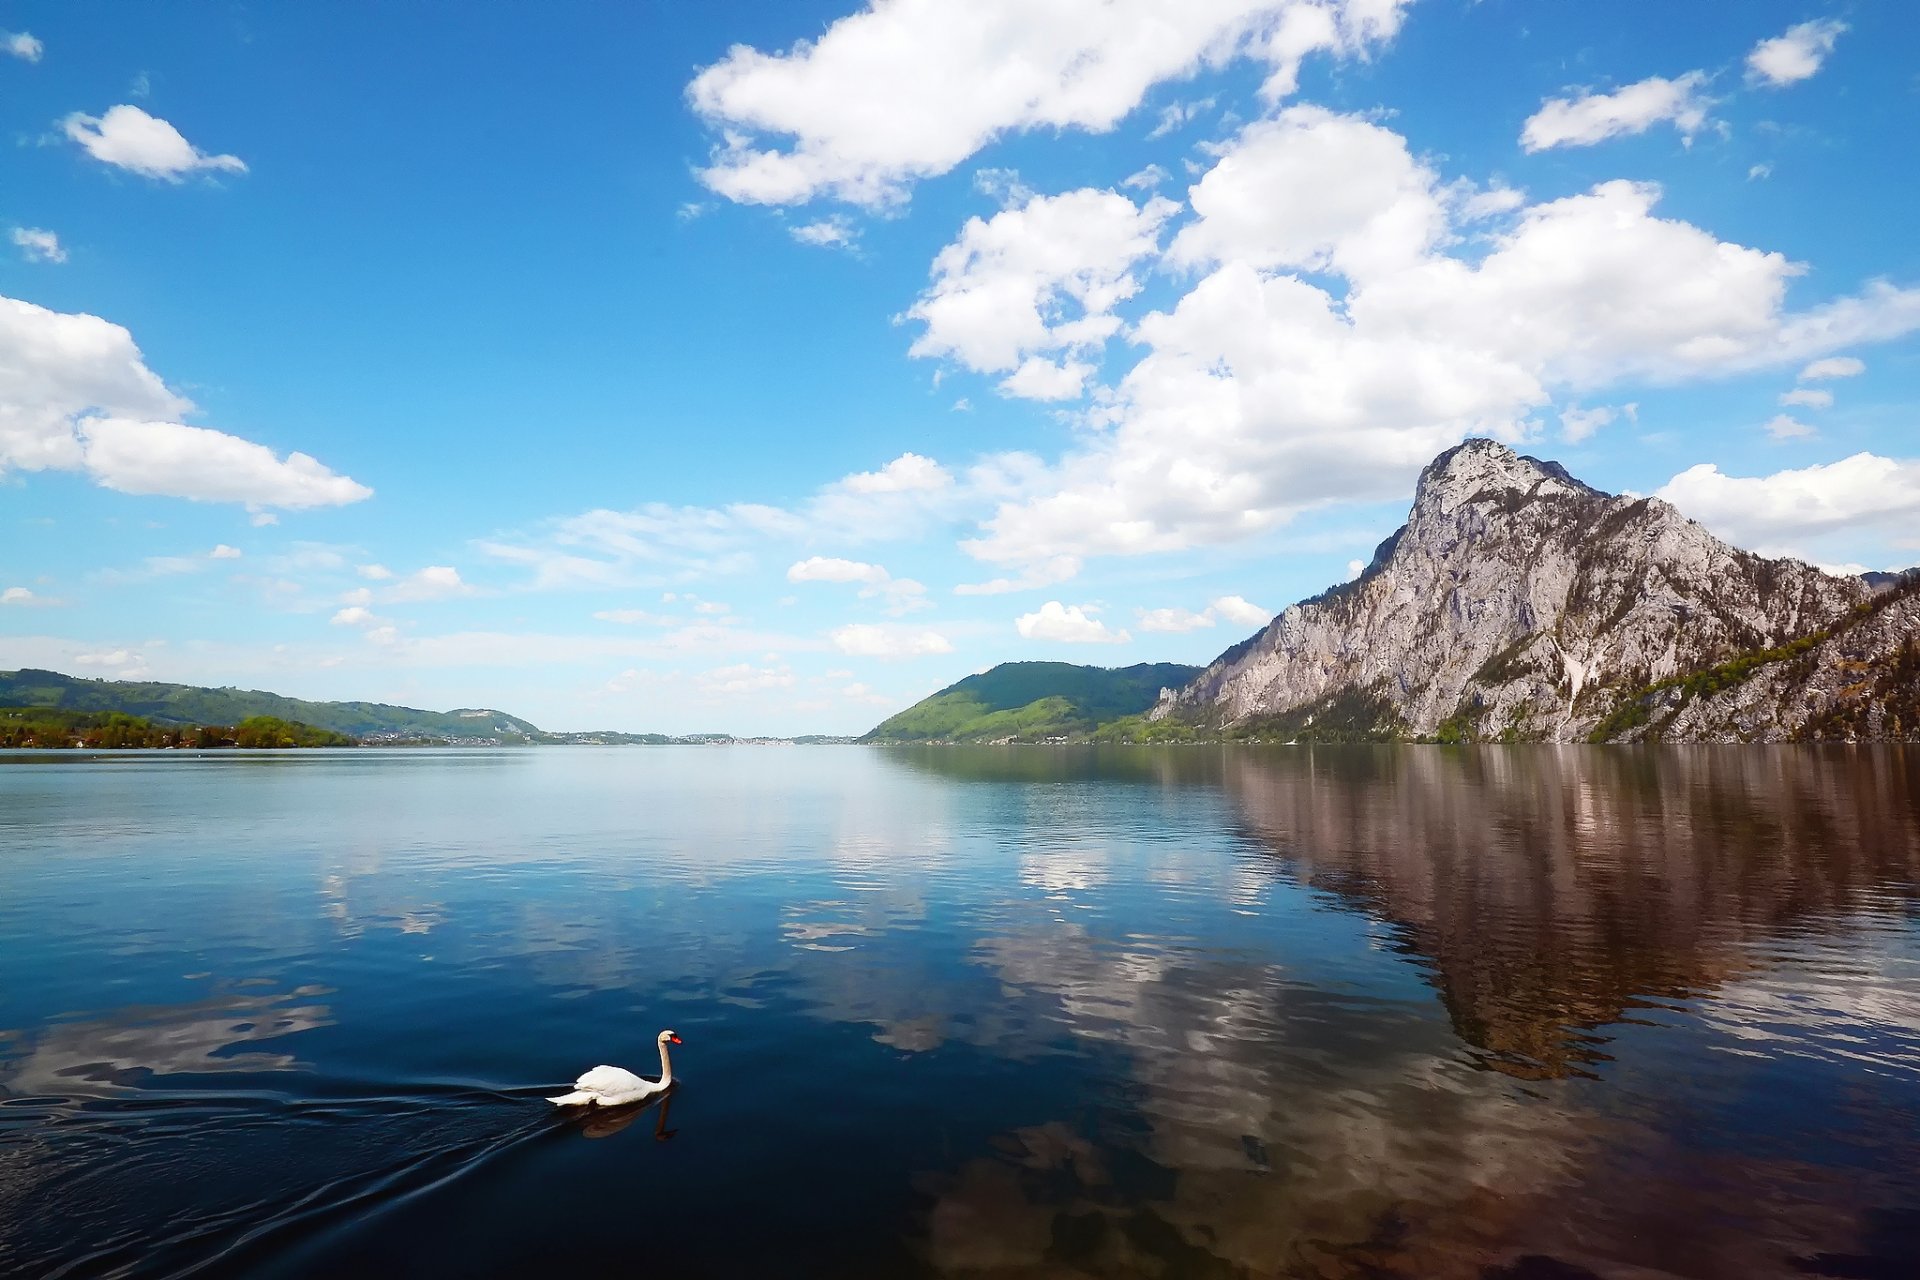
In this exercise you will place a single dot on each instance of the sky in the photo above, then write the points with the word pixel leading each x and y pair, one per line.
pixel 764 367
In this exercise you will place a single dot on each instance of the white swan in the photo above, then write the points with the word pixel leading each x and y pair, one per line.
pixel 616 1086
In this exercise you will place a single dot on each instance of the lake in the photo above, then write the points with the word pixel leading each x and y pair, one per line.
pixel 1523 1013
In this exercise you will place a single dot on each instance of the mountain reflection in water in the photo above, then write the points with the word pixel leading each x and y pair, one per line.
pixel 1497 1014
pixel 1560 900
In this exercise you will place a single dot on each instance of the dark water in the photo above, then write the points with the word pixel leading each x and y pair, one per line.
pixel 1511 1014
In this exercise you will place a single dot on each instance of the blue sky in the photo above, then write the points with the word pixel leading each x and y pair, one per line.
pixel 765 367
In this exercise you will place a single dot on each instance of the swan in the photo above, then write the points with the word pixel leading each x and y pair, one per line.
pixel 616 1086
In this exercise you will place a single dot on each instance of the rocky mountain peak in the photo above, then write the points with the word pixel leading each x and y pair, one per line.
pixel 1482 468
pixel 1516 601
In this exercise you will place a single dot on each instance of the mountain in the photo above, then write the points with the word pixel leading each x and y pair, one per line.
pixel 1032 701
pixel 1518 603
pixel 190 704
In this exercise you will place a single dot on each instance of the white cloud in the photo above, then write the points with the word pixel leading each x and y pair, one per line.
pixel 660 545
pixel 1783 427
pixel 1594 117
pixel 1241 611
pixel 121 664
pixel 827 569
pixel 1262 393
pixel 38 245
pixel 1355 568
pixel 908 473
pixel 1576 424
pixel 75 395
pixel 358 595
pixel 1236 610
pixel 435 582
pixel 833 233
pixel 635 618
pixel 1178 115
pixel 375 572
pixel 1786 509
pixel 1042 573
pixel 172 460
pixel 1373 207
pixel 1034 280
pixel 1810 397
pixel 129 138
pixel 1793 57
pixel 866 640
pixel 225 552
pixel 355 615
pixel 1759 171
pixel 1833 367
pixel 1145 179
pixel 1067 624
pixel 24 598
pixel 1173 619
pixel 907 89
pixel 741 679
pixel 22 45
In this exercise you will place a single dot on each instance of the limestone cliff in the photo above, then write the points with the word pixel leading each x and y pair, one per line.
pixel 1518 602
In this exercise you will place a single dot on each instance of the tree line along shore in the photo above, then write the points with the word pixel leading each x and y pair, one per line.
pixel 53 729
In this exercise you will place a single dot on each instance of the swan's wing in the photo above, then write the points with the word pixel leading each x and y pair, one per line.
pixel 609 1081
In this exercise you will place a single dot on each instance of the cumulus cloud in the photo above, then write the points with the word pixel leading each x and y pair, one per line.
pixel 21 45
pixel 24 598
pixel 1589 118
pixel 1833 367
pixel 1067 624
pixel 1241 611
pixel 1784 427
pixel 902 595
pixel 1783 511
pixel 225 552
pixel 1318 360
pixel 75 395
pixel 169 459
pixel 1795 56
pixel 1016 293
pixel 866 640
pixel 1373 209
pixel 38 245
pixel 355 615
pixel 1809 397
pixel 1576 424
pixel 128 138
pixel 907 89
pixel 1236 610
pixel 435 582
pixel 831 233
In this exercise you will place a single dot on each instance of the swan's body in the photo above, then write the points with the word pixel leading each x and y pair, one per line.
pixel 617 1087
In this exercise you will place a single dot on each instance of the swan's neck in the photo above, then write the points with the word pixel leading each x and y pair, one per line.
pixel 666 1065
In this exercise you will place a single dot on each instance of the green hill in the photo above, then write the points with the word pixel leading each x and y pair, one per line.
pixel 179 704
pixel 1031 701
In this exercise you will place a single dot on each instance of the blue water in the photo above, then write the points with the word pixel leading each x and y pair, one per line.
pixel 1522 1012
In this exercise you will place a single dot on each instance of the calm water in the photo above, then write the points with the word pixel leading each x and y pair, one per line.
pixel 1516 1014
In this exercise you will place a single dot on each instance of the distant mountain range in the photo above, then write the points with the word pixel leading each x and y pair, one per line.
pixel 1519 604
pixel 371 722
pixel 190 704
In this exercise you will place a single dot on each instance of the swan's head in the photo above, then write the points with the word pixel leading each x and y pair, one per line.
pixel 670 1037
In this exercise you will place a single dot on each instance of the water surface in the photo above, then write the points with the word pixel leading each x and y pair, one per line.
pixel 1491 1013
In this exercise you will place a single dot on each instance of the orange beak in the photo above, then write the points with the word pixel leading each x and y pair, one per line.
pixel 676 1039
